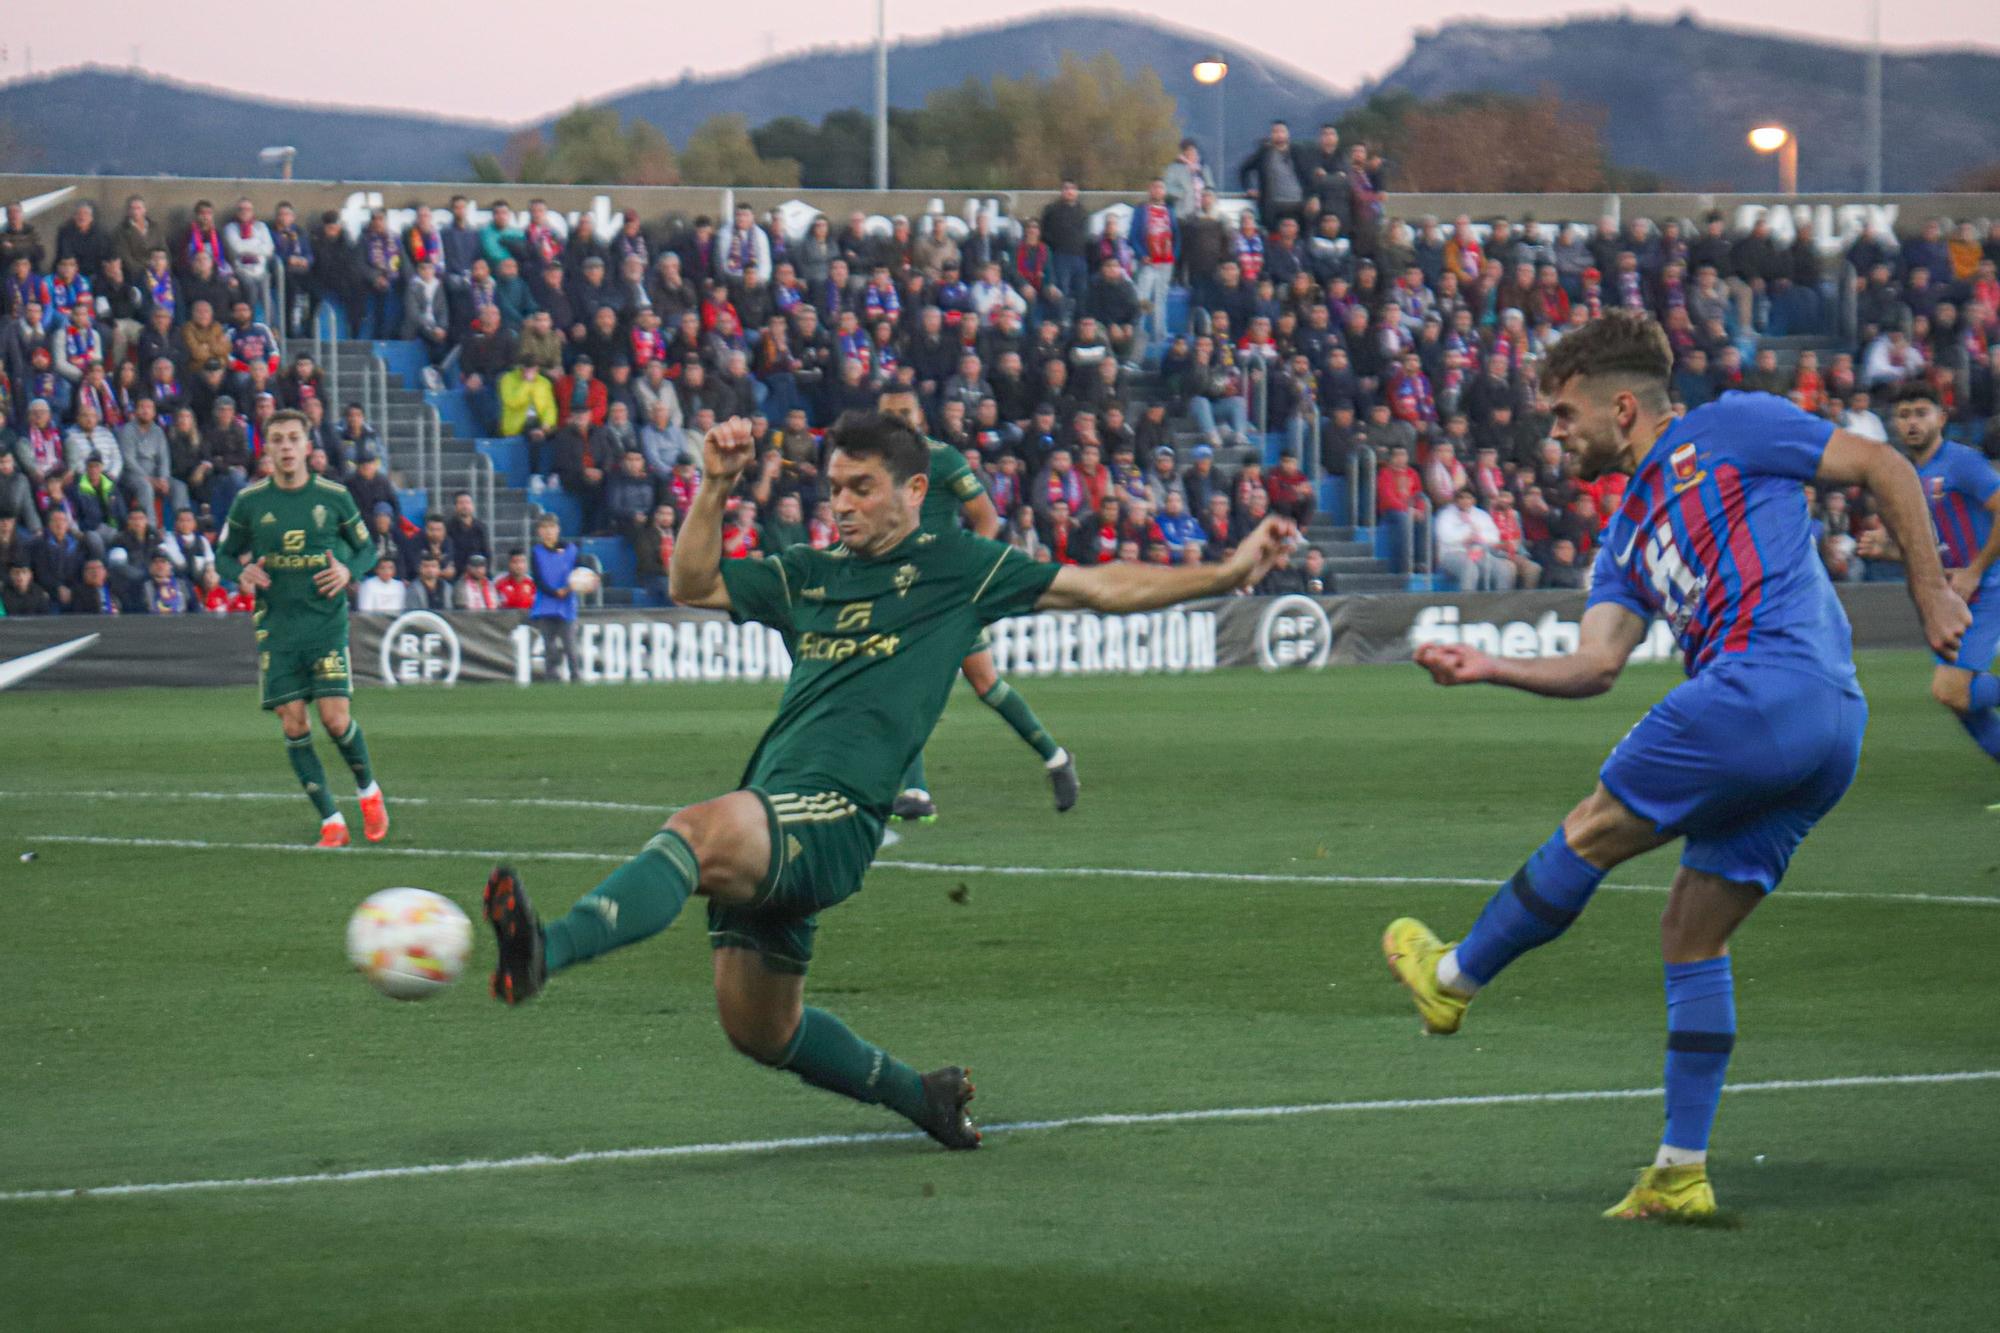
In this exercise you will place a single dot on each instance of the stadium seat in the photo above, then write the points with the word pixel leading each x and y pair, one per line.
pixel 614 558
pixel 565 507
pixel 1177 311
pixel 415 502
pixel 405 360
pixel 1333 499
pixel 509 457
pixel 456 412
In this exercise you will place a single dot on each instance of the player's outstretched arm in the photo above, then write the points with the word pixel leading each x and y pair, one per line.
pixel 694 576
pixel 1609 634
pixel 1119 588
pixel 1856 460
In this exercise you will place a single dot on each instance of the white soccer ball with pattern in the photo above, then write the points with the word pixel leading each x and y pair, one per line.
pixel 409 943
pixel 583 581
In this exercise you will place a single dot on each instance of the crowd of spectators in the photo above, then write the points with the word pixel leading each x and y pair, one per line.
pixel 136 367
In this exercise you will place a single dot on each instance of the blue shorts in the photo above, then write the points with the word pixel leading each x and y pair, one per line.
pixel 1982 639
pixel 1741 761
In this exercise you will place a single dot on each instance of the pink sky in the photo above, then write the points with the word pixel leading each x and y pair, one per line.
pixel 366 56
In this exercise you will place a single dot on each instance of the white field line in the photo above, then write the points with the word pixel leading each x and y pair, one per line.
pixel 954 868
pixel 494 802
pixel 757 1147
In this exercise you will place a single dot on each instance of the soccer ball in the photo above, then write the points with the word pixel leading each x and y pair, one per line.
pixel 583 580
pixel 409 943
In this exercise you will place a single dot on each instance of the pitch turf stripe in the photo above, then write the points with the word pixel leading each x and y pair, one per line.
pixel 535 802
pixel 954 868
pixel 756 1147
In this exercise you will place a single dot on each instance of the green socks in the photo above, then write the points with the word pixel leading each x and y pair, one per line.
pixel 639 899
pixel 1002 700
pixel 913 776
pixel 305 763
pixel 354 750
pixel 826 1053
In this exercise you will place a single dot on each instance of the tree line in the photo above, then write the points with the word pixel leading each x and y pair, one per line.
pixel 1092 121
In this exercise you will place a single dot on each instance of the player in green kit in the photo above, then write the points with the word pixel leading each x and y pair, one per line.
pixel 297 541
pixel 955 489
pixel 877 627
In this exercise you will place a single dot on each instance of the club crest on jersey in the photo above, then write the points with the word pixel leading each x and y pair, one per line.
pixel 1684 464
pixel 1686 472
pixel 906 578
pixel 1937 488
pixel 319 517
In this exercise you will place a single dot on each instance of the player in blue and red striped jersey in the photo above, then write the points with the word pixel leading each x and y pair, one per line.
pixel 1964 493
pixel 1743 758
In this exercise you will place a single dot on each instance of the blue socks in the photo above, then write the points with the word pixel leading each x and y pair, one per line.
pixel 1530 909
pixel 1701 1032
pixel 1981 722
pixel 1984 691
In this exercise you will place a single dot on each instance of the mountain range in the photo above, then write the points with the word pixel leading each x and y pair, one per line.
pixel 1677 99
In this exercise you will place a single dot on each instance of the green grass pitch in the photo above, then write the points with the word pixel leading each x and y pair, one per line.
pixel 184 1012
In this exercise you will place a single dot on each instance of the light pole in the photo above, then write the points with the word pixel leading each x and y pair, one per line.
pixel 1872 135
pixel 1777 139
pixel 1214 70
pixel 881 95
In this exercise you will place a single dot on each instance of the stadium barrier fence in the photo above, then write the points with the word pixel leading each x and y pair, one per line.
pixel 676 645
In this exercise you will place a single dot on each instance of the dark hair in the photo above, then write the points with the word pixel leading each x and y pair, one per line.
pixel 881 435
pixel 1618 342
pixel 1916 391
pixel 290 414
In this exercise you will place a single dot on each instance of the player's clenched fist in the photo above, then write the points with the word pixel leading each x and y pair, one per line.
pixel 1260 550
pixel 727 449
pixel 1454 663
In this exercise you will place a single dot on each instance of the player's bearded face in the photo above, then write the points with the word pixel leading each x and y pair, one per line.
pixel 1586 425
pixel 1917 425
pixel 870 510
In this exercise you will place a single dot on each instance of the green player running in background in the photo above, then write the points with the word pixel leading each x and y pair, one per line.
pixel 877 627
pixel 297 541
pixel 955 489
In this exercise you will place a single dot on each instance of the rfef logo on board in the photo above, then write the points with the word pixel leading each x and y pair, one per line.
pixel 420 648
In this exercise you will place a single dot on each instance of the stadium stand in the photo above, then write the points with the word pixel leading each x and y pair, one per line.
pixel 1327 359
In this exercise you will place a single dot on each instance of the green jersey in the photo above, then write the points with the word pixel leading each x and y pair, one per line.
pixel 953 484
pixel 296 534
pixel 875 643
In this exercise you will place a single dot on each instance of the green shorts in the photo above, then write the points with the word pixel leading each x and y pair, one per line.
pixel 284 676
pixel 821 846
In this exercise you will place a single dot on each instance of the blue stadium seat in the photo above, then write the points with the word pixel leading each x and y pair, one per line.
pixel 1177 311
pixel 565 507
pixel 456 412
pixel 405 360
pixel 1333 499
pixel 415 502
pixel 509 457
pixel 614 555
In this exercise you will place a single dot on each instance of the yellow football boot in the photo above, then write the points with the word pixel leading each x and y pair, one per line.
pixel 1667 1192
pixel 1413 950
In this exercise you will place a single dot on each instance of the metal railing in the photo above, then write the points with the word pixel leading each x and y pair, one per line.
pixel 435 422
pixel 281 327
pixel 326 355
pixel 375 396
pixel 480 480
pixel 1424 511
pixel 1361 467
